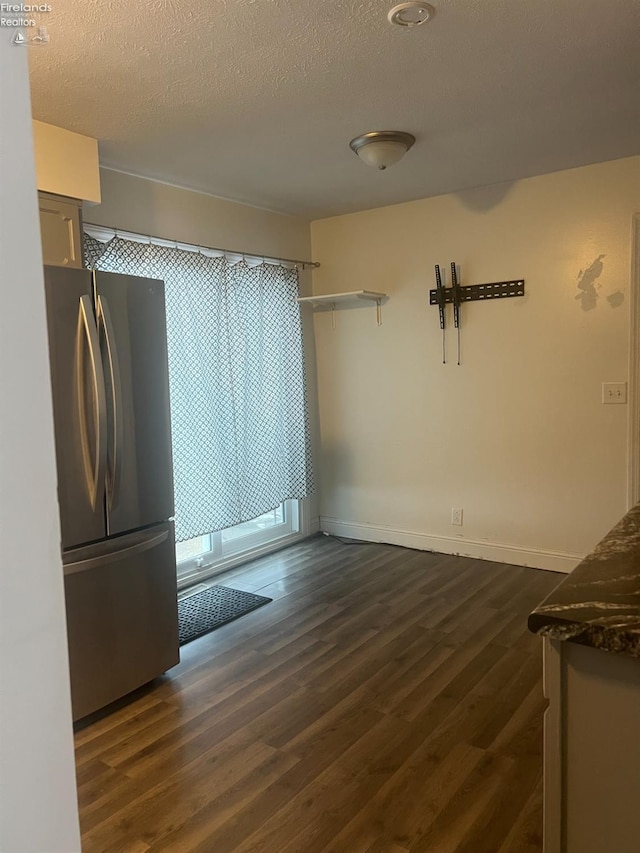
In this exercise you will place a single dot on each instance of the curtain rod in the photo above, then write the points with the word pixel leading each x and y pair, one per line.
pixel 118 232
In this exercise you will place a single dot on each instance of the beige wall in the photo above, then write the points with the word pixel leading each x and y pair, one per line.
pixel 66 162
pixel 517 436
pixel 151 207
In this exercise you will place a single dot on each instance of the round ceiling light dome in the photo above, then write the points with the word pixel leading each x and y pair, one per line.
pixel 382 148
pixel 411 14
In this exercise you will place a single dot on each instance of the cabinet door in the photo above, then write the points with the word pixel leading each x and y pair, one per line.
pixel 60 231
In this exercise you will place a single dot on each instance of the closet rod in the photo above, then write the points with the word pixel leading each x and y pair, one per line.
pixel 118 232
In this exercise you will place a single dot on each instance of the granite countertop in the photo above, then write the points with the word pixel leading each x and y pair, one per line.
pixel 598 604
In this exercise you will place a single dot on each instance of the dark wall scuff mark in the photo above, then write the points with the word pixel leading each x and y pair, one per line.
pixel 615 299
pixel 588 289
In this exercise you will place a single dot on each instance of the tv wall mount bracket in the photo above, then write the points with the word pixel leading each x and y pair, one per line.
pixel 456 295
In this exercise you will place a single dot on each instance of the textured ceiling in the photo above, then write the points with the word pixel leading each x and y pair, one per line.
pixel 256 100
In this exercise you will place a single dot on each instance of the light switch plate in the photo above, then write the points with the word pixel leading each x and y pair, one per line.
pixel 614 392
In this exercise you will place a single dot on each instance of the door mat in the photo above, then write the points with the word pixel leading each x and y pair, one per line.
pixel 200 613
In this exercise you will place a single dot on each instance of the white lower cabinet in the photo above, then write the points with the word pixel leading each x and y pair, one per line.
pixel 591 750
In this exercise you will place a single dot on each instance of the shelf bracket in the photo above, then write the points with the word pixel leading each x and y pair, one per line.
pixel 333 315
pixel 379 311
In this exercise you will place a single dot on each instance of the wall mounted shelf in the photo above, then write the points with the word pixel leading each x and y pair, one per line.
pixel 334 300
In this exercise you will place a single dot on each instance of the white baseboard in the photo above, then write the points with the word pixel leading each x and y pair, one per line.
pixel 554 561
pixel 314 525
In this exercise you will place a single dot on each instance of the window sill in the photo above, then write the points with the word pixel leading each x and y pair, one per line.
pixel 232 561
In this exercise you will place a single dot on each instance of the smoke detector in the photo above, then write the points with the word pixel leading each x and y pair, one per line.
pixel 411 14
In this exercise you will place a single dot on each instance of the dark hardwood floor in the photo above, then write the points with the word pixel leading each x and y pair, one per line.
pixel 388 700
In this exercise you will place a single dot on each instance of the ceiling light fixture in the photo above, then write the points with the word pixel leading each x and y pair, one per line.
pixel 411 14
pixel 382 148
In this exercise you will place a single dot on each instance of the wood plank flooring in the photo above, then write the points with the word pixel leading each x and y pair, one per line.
pixel 388 700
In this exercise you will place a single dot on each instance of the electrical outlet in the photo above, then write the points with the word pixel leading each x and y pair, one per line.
pixel 456 516
pixel 614 392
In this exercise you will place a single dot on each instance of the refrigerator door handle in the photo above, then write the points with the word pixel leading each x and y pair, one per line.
pixel 114 453
pixel 111 556
pixel 87 340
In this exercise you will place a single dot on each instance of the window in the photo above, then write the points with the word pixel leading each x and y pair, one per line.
pixel 208 554
pixel 237 383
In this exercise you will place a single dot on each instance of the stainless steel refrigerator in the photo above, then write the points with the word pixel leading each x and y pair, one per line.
pixel 108 354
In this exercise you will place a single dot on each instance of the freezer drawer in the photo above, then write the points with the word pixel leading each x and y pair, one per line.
pixel 122 619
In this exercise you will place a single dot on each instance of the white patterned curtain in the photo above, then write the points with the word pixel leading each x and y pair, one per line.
pixel 236 374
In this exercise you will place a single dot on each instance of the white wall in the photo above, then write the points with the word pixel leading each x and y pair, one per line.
pixel 38 811
pixel 517 436
pixel 162 210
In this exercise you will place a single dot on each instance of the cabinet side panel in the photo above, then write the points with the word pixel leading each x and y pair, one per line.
pixel 553 761
pixel 602 749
